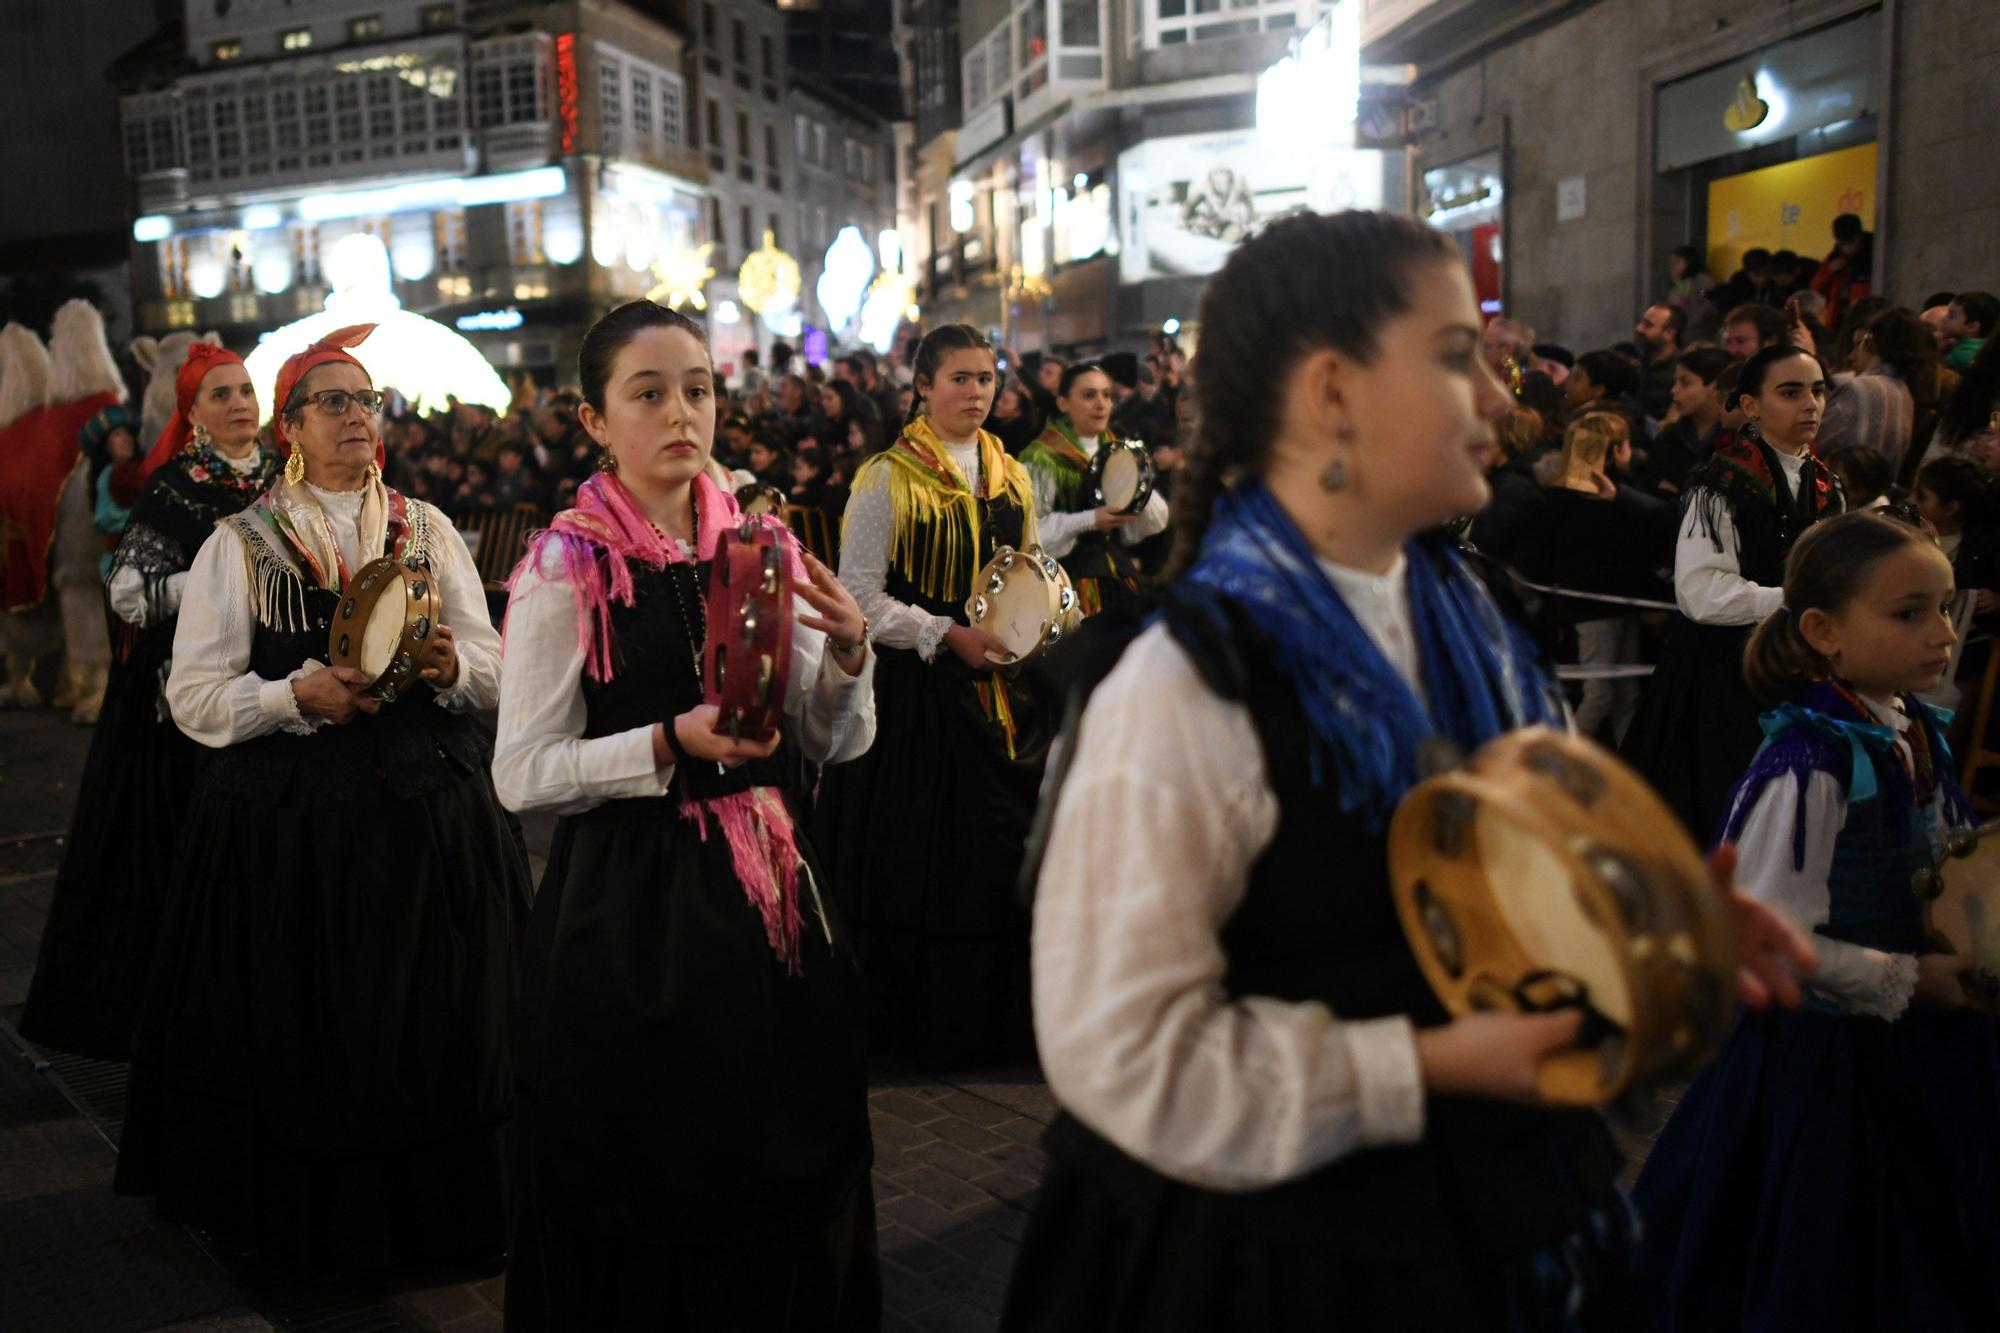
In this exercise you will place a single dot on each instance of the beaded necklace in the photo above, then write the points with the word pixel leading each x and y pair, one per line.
pixel 696 639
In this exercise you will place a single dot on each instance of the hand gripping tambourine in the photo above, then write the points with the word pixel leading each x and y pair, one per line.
pixel 388 615
pixel 1025 600
pixel 1961 901
pixel 1121 476
pixel 1544 873
pixel 747 659
pixel 760 498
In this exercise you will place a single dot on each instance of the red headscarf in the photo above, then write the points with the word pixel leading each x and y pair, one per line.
pixel 201 358
pixel 333 347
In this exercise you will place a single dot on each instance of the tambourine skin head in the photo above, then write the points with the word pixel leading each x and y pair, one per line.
pixel 1021 602
pixel 1961 905
pixel 747 611
pixel 383 626
pixel 1544 873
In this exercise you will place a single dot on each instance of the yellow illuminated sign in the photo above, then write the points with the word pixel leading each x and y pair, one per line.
pixel 1788 207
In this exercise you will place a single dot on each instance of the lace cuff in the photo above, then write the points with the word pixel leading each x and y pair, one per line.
pixel 931 636
pixel 281 703
pixel 1865 981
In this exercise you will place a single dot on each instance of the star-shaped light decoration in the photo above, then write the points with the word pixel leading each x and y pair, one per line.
pixel 680 275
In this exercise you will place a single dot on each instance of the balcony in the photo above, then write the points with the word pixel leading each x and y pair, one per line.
pixel 509 147
pixel 162 191
pixel 1426 32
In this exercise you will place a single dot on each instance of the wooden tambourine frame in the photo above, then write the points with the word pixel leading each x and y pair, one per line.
pixel 1640 936
pixel 747 656
pixel 368 585
pixel 1060 611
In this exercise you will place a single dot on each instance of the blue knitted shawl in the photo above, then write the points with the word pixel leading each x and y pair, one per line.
pixel 1481 673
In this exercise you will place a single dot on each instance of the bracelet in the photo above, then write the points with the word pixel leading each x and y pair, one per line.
pixel 845 650
pixel 672 737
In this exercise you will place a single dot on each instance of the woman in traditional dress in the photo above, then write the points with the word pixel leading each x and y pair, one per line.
pixel 1270 1122
pixel 321 1073
pixel 105 912
pixel 693 1143
pixel 1094 543
pixel 1696 727
pixel 925 832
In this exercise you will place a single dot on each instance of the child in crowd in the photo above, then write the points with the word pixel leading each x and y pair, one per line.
pixel 1834 1167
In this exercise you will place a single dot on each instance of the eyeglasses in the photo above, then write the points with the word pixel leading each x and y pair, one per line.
pixel 334 402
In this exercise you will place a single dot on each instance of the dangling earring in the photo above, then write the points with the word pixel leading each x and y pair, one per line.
pixel 607 462
pixel 295 466
pixel 200 440
pixel 1334 478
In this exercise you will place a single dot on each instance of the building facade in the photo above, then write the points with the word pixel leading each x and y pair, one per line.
pixel 1576 145
pixel 1106 155
pixel 846 179
pixel 524 164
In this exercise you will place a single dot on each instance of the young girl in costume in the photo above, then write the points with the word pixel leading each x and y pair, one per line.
pixel 693 1144
pixel 1745 504
pixel 925 832
pixel 1269 1122
pixel 1093 543
pixel 1835 1167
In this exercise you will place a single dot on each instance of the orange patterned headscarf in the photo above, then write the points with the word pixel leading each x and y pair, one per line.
pixel 201 358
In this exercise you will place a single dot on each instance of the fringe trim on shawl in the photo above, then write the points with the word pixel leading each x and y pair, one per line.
pixel 764 850
pixel 994 703
pixel 926 489
pixel 277 588
pixel 1057 452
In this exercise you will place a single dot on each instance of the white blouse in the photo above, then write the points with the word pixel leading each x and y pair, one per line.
pixel 541 759
pixel 865 537
pixel 1058 530
pixel 1709 586
pixel 1137 1037
pixel 1859 979
pixel 215 697
pixel 126 589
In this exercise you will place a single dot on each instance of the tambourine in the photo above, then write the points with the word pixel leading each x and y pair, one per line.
pixel 747 659
pixel 1961 901
pixel 387 618
pixel 1544 873
pixel 1025 600
pixel 760 498
pixel 1121 476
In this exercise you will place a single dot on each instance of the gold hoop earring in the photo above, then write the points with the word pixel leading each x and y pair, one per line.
pixel 295 467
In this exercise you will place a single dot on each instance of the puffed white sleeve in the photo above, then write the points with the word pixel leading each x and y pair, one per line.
pixel 1152 521
pixel 834 712
pixel 1859 979
pixel 1138 1037
pixel 212 693
pixel 1709 586
pixel 1055 530
pixel 865 537
pixel 463 595
pixel 125 590
pixel 541 759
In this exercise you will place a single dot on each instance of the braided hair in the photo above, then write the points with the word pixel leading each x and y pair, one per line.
pixel 1306 282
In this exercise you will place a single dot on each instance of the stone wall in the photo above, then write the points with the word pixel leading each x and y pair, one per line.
pixel 1572 98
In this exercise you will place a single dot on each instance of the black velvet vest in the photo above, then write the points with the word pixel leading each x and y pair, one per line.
pixel 1318 923
pixel 406 748
pixel 656 643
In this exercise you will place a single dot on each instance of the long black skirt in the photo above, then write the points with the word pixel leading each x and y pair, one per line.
pixel 1696 730
pixel 104 917
pixel 693 1144
pixel 322 1070
pixel 925 834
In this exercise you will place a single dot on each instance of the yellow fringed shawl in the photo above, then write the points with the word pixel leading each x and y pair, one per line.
pixel 927 489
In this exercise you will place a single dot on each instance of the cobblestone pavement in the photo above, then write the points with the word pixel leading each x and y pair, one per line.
pixel 956 1162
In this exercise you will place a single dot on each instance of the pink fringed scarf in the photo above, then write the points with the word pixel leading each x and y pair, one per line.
pixel 597 542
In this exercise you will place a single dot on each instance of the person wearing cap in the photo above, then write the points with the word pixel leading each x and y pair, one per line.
pixel 105 909
pixel 321 1074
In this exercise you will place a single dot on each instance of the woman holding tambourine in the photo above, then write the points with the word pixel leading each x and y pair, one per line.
pixel 693 1141
pixel 925 833
pixel 1083 523
pixel 322 1069
pixel 1270 1121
